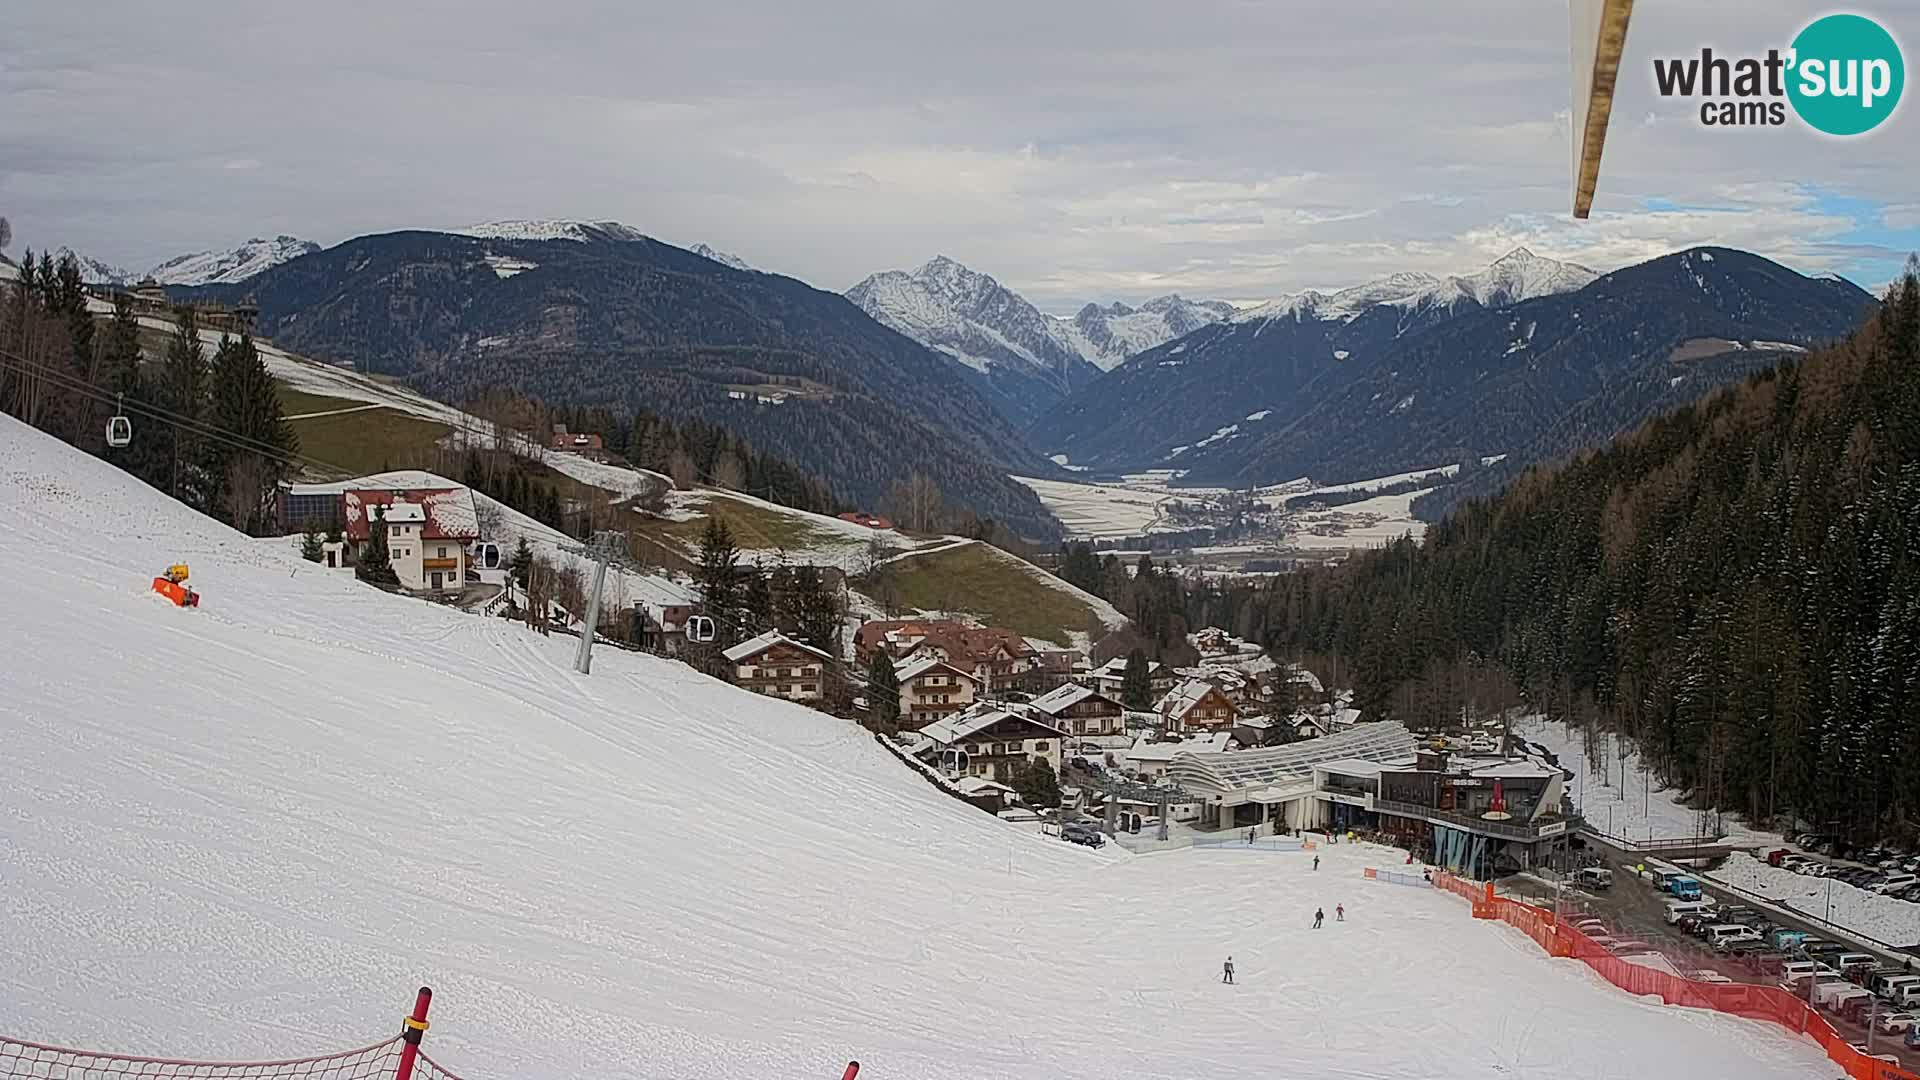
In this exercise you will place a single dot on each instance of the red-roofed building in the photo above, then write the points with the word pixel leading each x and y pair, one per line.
pixel 871 521
pixel 585 444
pixel 427 532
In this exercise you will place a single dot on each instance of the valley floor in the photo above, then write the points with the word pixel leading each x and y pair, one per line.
pixel 251 829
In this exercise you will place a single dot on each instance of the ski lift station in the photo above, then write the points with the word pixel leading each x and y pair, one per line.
pixel 1472 814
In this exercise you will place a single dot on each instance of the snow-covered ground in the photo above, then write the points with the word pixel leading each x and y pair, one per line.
pixel 1393 518
pixel 1619 797
pixel 1883 918
pixel 1099 511
pixel 251 829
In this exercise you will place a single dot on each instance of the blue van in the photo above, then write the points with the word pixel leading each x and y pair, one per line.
pixel 1684 888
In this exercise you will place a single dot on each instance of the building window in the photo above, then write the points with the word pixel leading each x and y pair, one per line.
pixel 443 551
pixel 809 687
pixel 1040 747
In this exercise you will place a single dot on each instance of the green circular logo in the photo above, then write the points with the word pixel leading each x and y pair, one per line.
pixel 1846 76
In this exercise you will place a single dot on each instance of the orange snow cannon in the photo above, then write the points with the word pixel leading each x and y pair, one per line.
pixel 173 586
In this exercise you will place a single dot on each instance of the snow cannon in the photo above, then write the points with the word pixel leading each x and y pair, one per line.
pixel 172 584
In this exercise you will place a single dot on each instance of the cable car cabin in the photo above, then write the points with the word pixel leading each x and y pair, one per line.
pixel 119 431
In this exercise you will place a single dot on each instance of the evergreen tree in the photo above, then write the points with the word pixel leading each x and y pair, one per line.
pixel 756 601
pixel 883 694
pixel 247 461
pixel 182 393
pixel 1136 682
pixel 374 564
pixel 521 563
pixel 310 548
pixel 1036 784
pixel 718 578
pixel 818 618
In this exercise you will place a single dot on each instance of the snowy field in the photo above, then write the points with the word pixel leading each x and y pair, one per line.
pixel 1393 519
pixel 1883 918
pixel 1619 797
pixel 1099 511
pixel 252 829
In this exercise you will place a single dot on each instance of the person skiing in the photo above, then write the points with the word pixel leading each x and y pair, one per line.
pixel 1316 862
pixel 1339 913
pixel 1409 858
pixel 1319 916
pixel 1249 836
pixel 1226 972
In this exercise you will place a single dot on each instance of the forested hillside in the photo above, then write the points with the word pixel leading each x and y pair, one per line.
pixel 1737 584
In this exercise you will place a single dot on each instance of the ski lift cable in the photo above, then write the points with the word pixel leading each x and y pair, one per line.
pixel 74 384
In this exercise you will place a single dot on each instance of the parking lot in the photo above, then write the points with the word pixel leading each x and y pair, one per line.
pixel 1633 910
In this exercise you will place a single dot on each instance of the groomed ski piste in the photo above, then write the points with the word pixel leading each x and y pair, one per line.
pixel 250 830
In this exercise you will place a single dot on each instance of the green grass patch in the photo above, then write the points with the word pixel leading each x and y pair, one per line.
pixel 294 402
pixel 753 527
pixel 995 587
pixel 368 441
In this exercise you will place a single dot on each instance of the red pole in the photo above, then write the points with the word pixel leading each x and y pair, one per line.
pixel 853 1070
pixel 414 1028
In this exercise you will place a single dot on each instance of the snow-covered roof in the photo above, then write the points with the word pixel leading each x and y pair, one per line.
pixel 1246 769
pixel 920 665
pixel 1352 767
pixel 952 729
pixel 450 513
pixel 1145 750
pixel 1181 699
pixel 1516 770
pixel 754 646
pixel 406 513
pixel 980 785
pixel 1061 698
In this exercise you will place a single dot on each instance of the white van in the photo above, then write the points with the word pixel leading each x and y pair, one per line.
pixel 1722 935
pixel 1853 960
pixel 1906 995
pixel 1888 984
pixel 1896 881
pixel 1678 908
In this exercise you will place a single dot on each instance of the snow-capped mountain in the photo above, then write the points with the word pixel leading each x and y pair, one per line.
pixel 1106 336
pixel 724 258
pixel 226 267
pixel 1518 275
pixel 1024 360
pixel 93 271
pixel 580 231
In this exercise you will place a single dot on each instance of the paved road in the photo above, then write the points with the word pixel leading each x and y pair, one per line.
pixel 1638 912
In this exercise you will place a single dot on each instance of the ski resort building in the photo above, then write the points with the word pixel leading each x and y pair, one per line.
pixel 437 545
pixel 778 666
pixel 998 659
pixel 1277 785
pixel 1079 710
pixel 1110 676
pixel 932 689
pixel 988 742
pixel 1197 705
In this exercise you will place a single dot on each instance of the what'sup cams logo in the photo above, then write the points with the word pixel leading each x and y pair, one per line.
pixel 1842 76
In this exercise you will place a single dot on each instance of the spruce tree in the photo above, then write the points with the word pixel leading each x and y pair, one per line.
pixel 310 548
pixel 246 463
pixel 374 565
pixel 883 694
pixel 1136 682
pixel 1036 784
pixel 182 392
pixel 756 601
pixel 522 563
pixel 718 578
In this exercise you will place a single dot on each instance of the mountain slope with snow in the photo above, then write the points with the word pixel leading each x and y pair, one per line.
pixel 1021 359
pixel 576 231
pixel 1529 357
pixel 1108 336
pixel 308 797
pixel 724 258
pixel 227 267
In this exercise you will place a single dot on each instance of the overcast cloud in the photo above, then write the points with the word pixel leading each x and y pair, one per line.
pixel 1077 151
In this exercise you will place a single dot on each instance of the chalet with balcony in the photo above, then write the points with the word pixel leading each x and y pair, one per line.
pixel 778 666
pixel 932 689
pixel 1081 710
pixel 1197 705
pixel 988 742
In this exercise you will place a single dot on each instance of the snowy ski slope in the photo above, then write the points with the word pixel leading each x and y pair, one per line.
pixel 252 829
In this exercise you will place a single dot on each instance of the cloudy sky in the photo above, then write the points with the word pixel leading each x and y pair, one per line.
pixel 1078 151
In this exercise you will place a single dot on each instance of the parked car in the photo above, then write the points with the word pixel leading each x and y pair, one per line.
pixel 1708 975
pixel 1629 947
pixel 1595 877
pixel 1083 834
pixel 1777 854
pixel 1887 982
pixel 1763 961
pixel 1897 882
pixel 1823 950
pixel 1895 1023
pixel 1856 966
pixel 1722 935
pixel 1793 862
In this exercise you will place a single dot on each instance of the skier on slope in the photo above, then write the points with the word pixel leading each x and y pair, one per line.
pixel 1339 913
pixel 1316 862
pixel 1319 916
pixel 1226 972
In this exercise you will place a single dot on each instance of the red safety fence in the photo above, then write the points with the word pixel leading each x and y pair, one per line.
pixel 1755 1002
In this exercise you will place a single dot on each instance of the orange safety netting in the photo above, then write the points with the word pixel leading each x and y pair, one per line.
pixel 1769 1003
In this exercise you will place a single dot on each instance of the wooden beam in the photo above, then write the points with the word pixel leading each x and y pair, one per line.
pixel 1599 38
